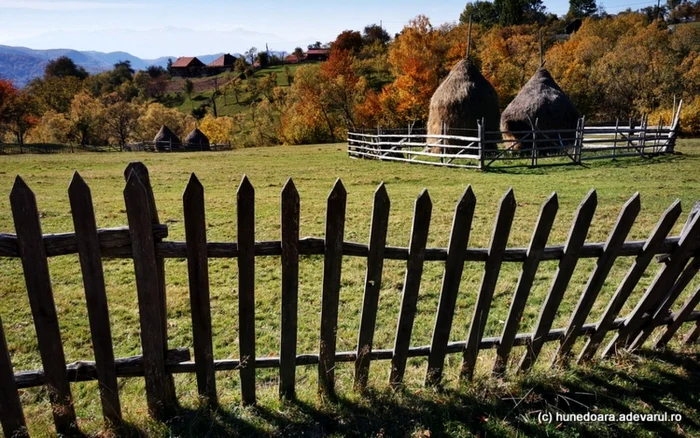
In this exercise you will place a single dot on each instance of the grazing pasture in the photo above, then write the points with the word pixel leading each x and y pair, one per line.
pixel 630 383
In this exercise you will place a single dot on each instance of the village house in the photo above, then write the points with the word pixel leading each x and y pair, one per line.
pixel 187 66
pixel 222 64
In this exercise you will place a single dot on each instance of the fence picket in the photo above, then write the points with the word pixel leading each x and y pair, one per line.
pixel 499 240
pixel 198 275
pixel 617 237
pixel 692 336
pixel 147 286
pixel 95 295
pixel 414 271
pixel 454 265
pixel 665 307
pixel 332 260
pixel 373 283
pixel 567 264
pixel 144 177
pixel 679 319
pixel 641 263
pixel 41 301
pixel 290 288
pixel 11 414
pixel 535 251
pixel 245 199
pixel 654 294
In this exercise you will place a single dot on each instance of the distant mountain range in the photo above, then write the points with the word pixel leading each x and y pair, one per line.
pixel 21 64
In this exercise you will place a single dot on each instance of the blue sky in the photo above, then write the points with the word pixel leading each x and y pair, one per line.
pixel 152 28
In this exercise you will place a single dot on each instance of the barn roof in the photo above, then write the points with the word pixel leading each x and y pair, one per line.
pixel 187 61
pixel 226 60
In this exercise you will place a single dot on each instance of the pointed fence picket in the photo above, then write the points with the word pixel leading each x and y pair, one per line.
pixel 144 242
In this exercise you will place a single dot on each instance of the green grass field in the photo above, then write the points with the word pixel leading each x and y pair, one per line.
pixel 650 382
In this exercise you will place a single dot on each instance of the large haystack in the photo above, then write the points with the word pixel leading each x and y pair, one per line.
pixel 197 141
pixel 540 101
pixel 166 139
pixel 464 98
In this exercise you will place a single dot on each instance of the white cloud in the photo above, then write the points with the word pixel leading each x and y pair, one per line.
pixel 66 5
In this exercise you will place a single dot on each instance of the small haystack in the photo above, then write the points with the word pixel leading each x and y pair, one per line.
pixel 461 101
pixel 197 141
pixel 540 101
pixel 166 139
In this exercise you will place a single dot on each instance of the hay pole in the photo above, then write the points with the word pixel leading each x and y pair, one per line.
pixel 469 38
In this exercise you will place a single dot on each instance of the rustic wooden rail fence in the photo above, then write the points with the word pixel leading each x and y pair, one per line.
pixel 143 241
pixel 481 149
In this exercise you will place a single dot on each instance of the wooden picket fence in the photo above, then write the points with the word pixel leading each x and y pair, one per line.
pixel 143 241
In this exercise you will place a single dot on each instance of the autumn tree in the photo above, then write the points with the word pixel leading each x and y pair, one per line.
pixel 17 111
pixel 87 117
pixel 121 120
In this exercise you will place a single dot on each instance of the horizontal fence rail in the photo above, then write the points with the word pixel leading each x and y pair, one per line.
pixel 481 149
pixel 143 241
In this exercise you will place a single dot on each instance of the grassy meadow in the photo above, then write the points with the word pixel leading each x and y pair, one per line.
pixel 649 382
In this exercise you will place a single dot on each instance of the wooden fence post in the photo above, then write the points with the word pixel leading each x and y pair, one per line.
pixel 567 264
pixel 160 405
pixel 11 414
pixel 653 243
pixel 612 247
pixel 422 211
pixel 96 296
pixel 373 282
pixel 499 240
pixel 454 265
pixel 38 281
pixel 482 145
pixel 679 319
pixel 332 261
pixel 548 212
pixel 290 288
pixel 246 287
pixel 141 172
pixel 198 276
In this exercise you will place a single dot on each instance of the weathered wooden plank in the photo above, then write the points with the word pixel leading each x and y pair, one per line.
pixel 499 240
pixel 11 414
pixel 290 288
pixel 141 172
pixel 41 301
pixel 149 300
pixel 617 237
pixel 567 264
pixel 198 275
pixel 657 290
pixel 454 265
pixel 315 246
pixel 665 308
pixel 414 271
pixel 693 334
pixel 373 283
pixel 111 240
pixel 96 296
pixel 332 262
pixel 641 263
pixel 681 317
pixel 245 201
pixel 548 213
pixel 83 371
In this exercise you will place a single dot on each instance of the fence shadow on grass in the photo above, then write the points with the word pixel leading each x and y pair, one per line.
pixel 666 381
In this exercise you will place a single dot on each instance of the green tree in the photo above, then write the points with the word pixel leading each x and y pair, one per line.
pixel 263 59
pixel 121 73
pixel 581 8
pixel 121 120
pixel 188 88
pixel 373 33
pixel 299 53
pixel 483 12
pixel 251 54
pixel 64 67
pixel 349 40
